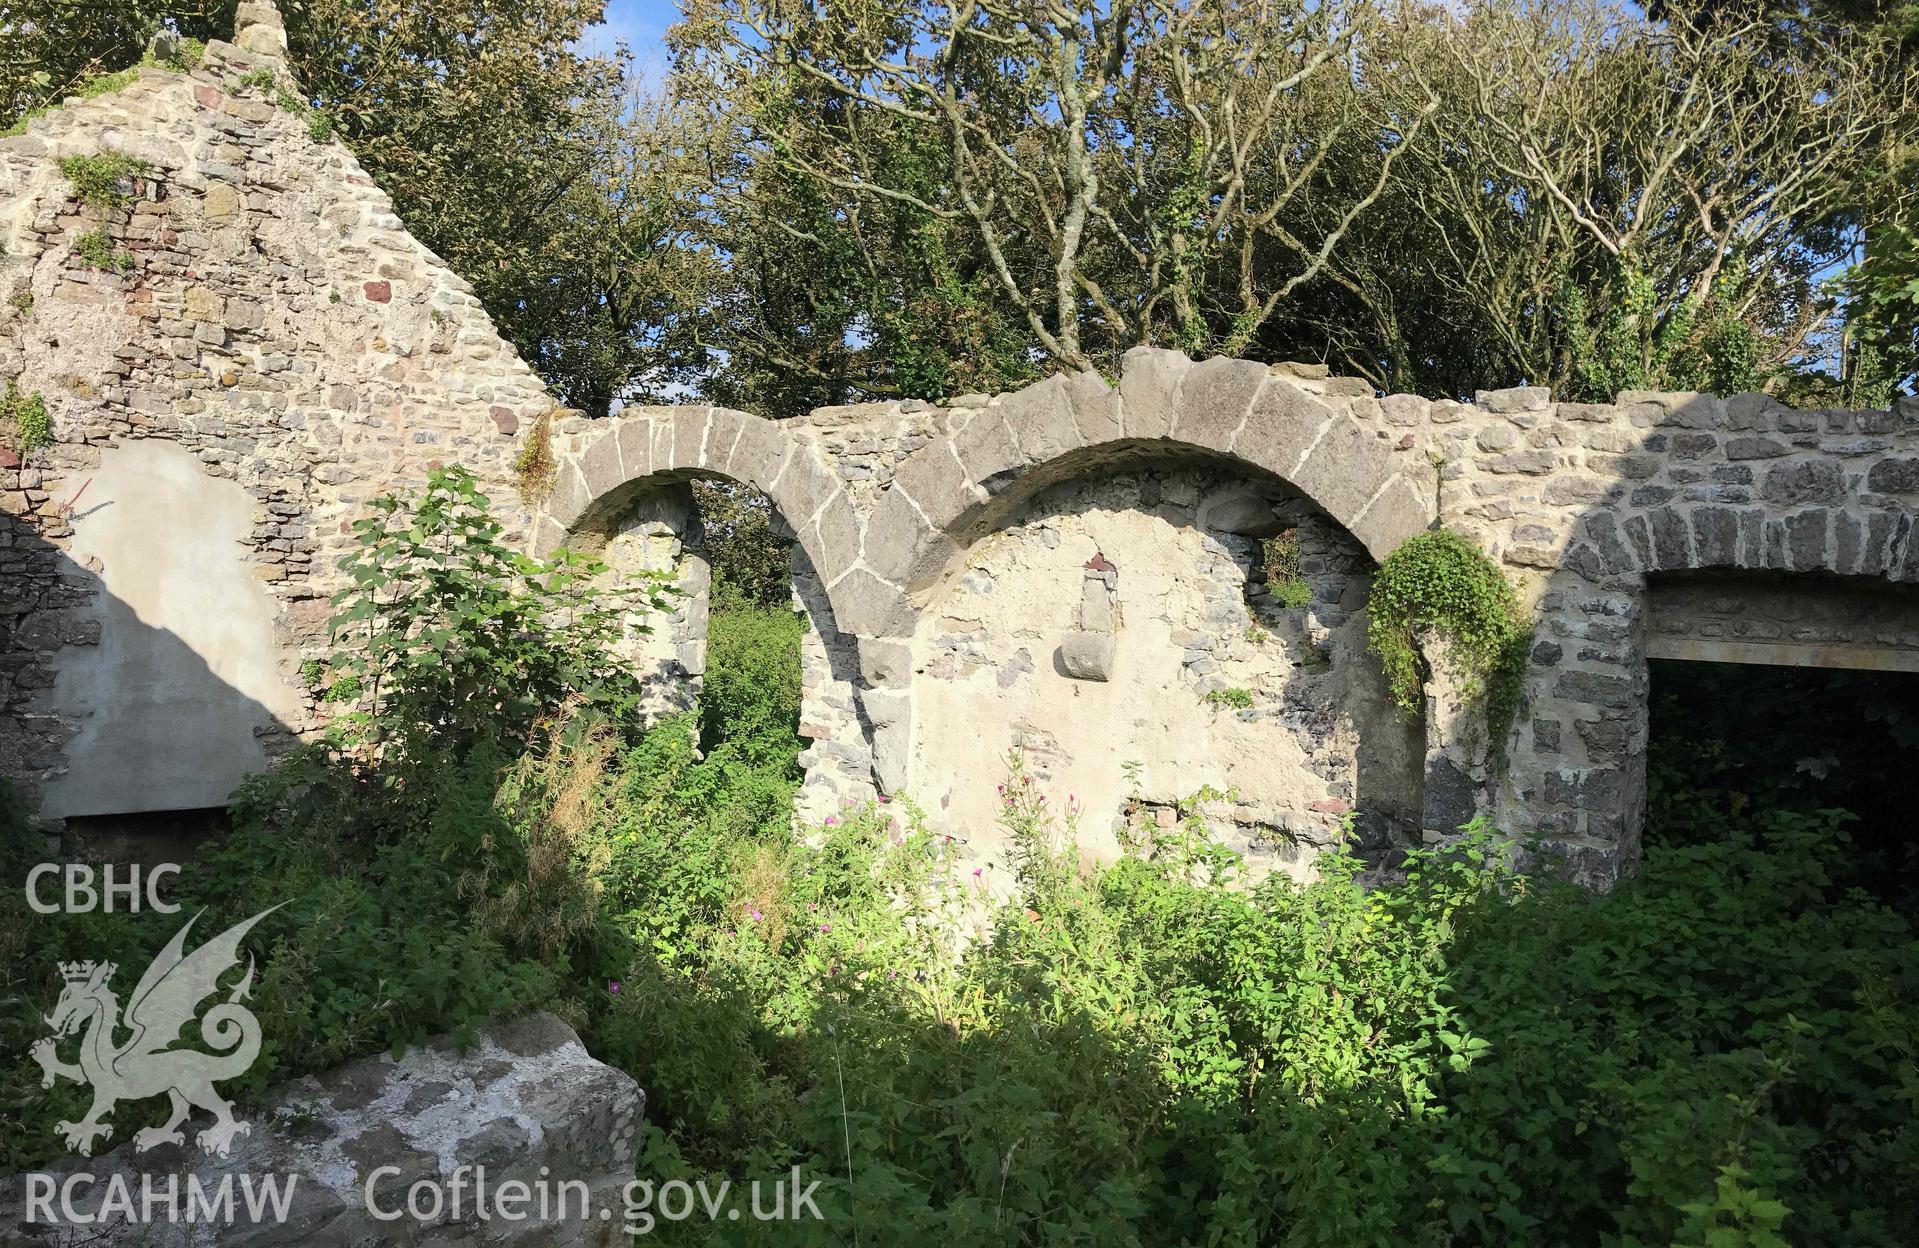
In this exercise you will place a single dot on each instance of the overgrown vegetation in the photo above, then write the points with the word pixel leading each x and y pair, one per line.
pixel 96 248
pixel 534 469
pixel 1440 583
pixel 1157 1051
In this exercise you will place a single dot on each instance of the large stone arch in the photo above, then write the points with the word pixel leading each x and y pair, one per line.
pixel 994 457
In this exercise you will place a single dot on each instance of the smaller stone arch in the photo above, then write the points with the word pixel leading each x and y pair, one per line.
pixel 994 457
pixel 605 467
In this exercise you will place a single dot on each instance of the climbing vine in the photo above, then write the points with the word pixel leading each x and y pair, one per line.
pixel 1441 581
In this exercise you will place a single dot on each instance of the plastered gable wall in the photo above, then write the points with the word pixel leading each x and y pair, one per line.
pixel 298 353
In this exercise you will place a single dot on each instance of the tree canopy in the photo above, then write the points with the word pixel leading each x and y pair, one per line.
pixel 827 200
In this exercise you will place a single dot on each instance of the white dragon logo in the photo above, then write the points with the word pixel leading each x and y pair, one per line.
pixel 167 998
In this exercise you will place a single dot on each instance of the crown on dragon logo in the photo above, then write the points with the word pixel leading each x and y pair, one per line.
pixel 81 972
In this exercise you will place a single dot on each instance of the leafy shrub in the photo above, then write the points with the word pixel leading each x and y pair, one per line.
pixel 451 637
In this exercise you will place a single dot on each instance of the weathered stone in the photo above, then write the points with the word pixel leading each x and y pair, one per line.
pixel 1894 476
pixel 1087 656
pixel 1804 481
pixel 328 1139
pixel 1518 399
pixel 1149 385
pixel 1041 420
pixel 1214 401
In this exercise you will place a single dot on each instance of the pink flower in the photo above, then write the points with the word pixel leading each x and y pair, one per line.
pixel 976 872
pixel 831 820
pixel 884 799
pixel 755 914
pixel 613 986
pixel 812 905
pixel 826 927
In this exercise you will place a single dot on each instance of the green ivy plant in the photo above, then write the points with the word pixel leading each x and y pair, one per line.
pixel 1441 581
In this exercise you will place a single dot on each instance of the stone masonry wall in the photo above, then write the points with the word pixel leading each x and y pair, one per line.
pixel 906 513
pixel 274 322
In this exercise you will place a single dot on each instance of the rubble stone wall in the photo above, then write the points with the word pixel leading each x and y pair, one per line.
pixel 264 312
pixel 957 631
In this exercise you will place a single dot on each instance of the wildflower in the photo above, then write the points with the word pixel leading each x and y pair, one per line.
pixel 613 986
pixel 976 871
pixel 831 820
pixel 755 914
pixel 826 927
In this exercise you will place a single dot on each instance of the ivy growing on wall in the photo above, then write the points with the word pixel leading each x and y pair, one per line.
pixel 1442 582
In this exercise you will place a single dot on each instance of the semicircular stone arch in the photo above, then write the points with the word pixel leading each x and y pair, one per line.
pixel 610 471
pixel 600 461
pixel 1334 449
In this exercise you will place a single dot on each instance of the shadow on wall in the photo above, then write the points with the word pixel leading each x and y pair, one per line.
pixel 138 667
pixel 1596 508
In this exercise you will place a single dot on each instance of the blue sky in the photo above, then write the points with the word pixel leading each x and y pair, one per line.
pixel 642 23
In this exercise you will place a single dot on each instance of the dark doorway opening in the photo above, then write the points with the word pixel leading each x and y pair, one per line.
pixel 148 837
pixel 1732 743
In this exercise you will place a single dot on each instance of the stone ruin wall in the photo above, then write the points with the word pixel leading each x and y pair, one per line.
pixel 279 351
pixel 1072 568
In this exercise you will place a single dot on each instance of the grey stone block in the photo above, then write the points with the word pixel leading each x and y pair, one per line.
pixel 1087 656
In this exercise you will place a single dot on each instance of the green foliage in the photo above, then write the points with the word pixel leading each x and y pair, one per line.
pixel 21 301
pixel 1884 289
pixel 1280 560
pixel 97 179
pixel 96 248
pixel 1442 582
pixel 452 637
pixel 24 426
pixel 752 564
pixel 319 126
pixel 1235 699
pixel 1635 340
